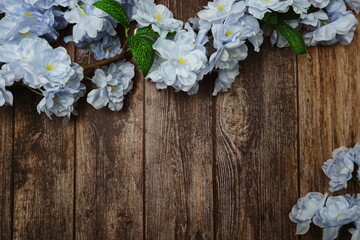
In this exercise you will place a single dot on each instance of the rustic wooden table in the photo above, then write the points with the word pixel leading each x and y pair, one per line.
pixel 176 167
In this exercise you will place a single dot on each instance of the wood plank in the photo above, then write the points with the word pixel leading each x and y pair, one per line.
pixel 6 156
pixel 43 173
pixel 256 149
pixel 329 90
pixel 109 170
pixel 179 156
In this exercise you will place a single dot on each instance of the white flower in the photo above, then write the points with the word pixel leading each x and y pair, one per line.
pixel 106 48
pixel 258 8
pixel 89 21
pixel 320 3
pixel 221 9
pixel 301 7
pixel 340 26
pixel 336 213
pixel 339 169
pixel 305 209
pixel 182 63
pixel 6 79
pixel 158 16
pixel 113 84
pixel 225 79
pixel 354 4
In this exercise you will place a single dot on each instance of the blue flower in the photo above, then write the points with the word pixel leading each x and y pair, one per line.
pixel 340 26
pixel 20 59
pixel 107 47
pixel 320 3
pixel 354 4
pixel 335 214
pixel 182 64
pixel 113 84
pixel 305 209
pixel 339 169
pixel 37 63
pixel 229 43
pixel 219 10
pixel 6 79
pixel 89 21
pixel 60 101
pixel 300 6
pixel 355 232
pixel 158 16
pixel 258 8
pixel 23 20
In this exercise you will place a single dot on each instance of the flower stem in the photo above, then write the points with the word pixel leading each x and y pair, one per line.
pixel 33 90
pixel 356 180
pixel 105 62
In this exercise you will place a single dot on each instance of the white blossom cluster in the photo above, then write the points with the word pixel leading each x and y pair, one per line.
pixel 331 213
pixel 215 41
pixel 223 29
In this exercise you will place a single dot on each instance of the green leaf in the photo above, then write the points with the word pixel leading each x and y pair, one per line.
pixel 115 10
pixel 271 17
pixel 143 52
pixel 146 31
pixel 294 38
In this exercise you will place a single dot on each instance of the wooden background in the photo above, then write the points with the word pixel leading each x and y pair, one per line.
pixel 176 167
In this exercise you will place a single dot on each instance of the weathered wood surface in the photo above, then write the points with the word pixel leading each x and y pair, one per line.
pixel 176 167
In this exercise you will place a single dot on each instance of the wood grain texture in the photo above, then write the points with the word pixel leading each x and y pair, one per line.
pixel 43 173
pixel 329 89
pixel 6 158
pixel 179 157
pixel 174 167
pixel 256 149
pixel 109 170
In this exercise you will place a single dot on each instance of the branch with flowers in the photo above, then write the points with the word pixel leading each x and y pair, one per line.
pixel 167 51
pixel 334 212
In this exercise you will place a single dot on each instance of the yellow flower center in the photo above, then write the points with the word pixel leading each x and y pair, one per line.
pixel 229 33
pixel 181 60
pixel 50 67
pixel 25 34
pixel 28 14
pixel 220 7
pixel 113 88
pixel 158 17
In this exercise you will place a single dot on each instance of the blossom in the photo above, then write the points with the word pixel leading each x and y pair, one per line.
pixel 107 47
pixel 219 10
pixel 300 6
pixel 258 8
pixel 60 101
pixel 230 48
pixel 355 232
pixel 354 4
pixel 182 63
pixel 37 62
pixel 320 3
pixel 113 84
pixel 336 213
pixel 158 16
pixel 339 169
pixel 6 79
pixel 23 20
pixel 339 27
pixel 305 209
pixel 89 21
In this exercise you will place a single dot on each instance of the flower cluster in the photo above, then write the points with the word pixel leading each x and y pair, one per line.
pixel 331 213
pixel 180 54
